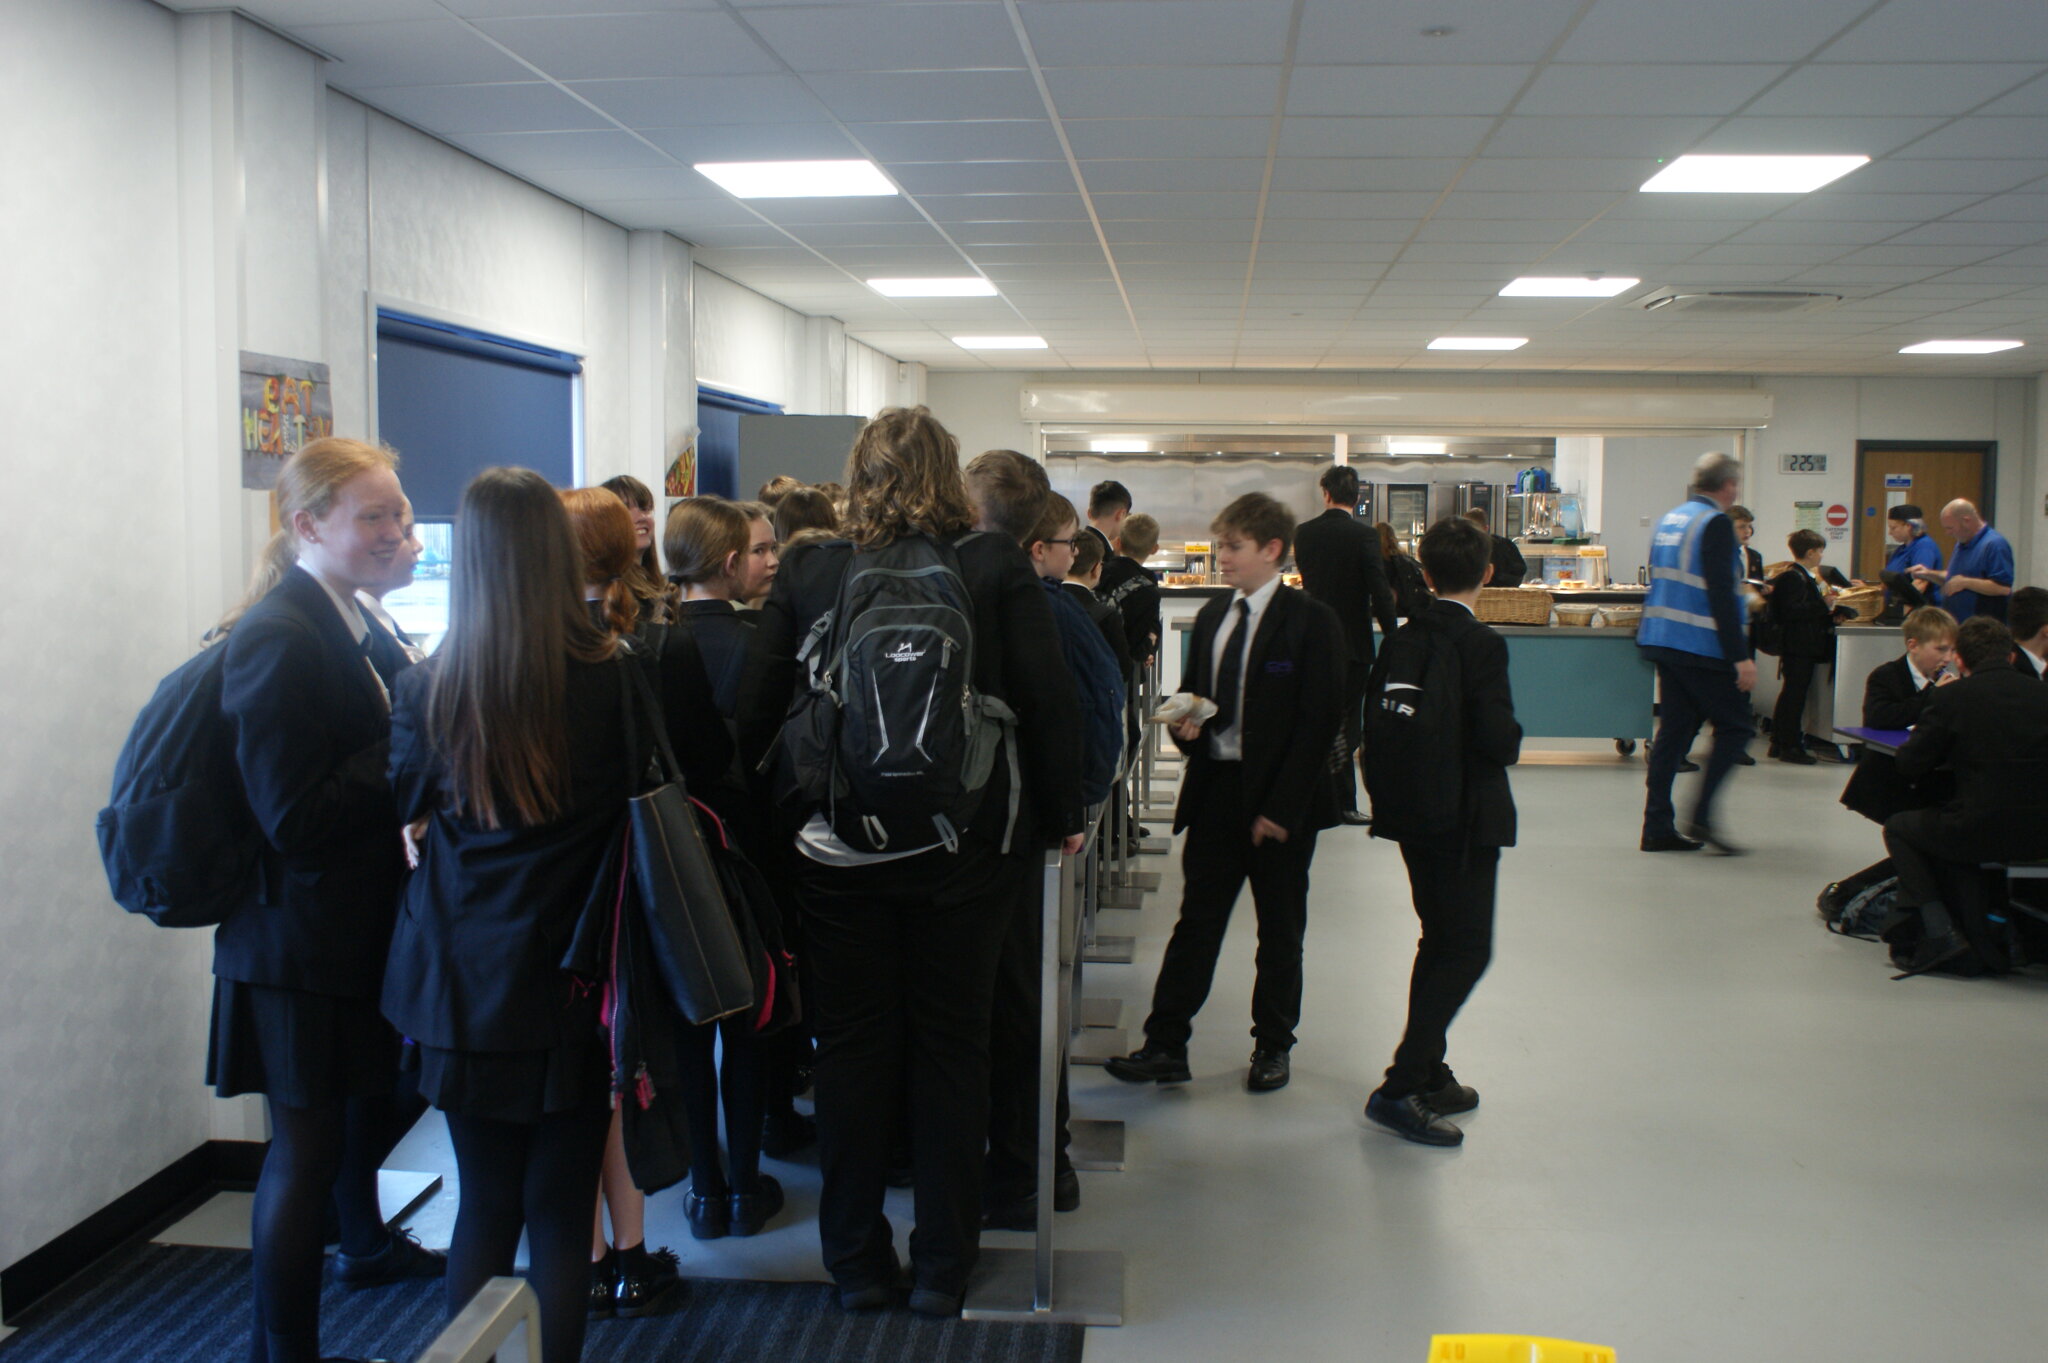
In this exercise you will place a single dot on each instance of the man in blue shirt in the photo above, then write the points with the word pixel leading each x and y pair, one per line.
pixel 1979 577
pixel 1912 547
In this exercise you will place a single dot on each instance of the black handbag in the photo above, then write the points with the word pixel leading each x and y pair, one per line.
pixel 696 945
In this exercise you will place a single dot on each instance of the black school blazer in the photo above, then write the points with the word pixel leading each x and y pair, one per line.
pixel 1875 789
pixel 311 737
pixel 1339 559
pixel 1293 707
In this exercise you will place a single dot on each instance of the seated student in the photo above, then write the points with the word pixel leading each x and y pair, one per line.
pixel 1894 696
pixel 2028 622
pixel 1807 625
pixel 1255 795
pixel 1991 728
pixel 1452 866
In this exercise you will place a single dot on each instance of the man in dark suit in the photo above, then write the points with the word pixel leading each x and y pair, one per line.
pixel 1509 569
pixel 1256 792
pixel 1453 865
pixel 1991 728
pixel 1339 559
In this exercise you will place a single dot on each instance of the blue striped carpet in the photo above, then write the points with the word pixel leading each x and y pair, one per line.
pixel 171 1304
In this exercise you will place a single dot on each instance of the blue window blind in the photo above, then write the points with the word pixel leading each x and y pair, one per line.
pixel 454 402
pixel 718 439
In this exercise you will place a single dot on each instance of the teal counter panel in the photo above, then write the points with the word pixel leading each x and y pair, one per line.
pixel 1581 683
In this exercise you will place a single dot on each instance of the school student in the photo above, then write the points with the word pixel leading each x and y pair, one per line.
pixel 764 555
pixel 1256 792
pixel 1083 575
pixel 903 937
pixel 297 969
pixel 1133 588
pixel 1452 864
pixel 644 577
pixel 1806 623
pixel 2028 622
pixel 510 759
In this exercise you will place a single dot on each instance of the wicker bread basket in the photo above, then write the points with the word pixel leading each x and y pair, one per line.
pixel 1573 615
pixel 1627 618
pixel 1513 606
pixel 1867 602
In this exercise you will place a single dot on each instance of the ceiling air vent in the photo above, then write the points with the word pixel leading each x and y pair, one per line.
pixel 1739 302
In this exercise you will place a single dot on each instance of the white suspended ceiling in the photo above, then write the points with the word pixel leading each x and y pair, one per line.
pixel 1281 183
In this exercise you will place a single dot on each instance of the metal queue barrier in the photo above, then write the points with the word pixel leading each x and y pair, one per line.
pixel 502 1319
pixel 1084 1287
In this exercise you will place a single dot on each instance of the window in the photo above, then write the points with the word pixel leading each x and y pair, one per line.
pixel 718 439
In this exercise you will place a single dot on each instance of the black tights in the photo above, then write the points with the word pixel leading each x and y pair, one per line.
pixel 540 1177
pixel 316 1153
pixel 740 1077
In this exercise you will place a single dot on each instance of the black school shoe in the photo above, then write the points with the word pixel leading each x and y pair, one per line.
pixel 1670 842
pixel 1022 1213
pixel 1270 1070
pixel 1151 1064
pixel 1451 1097
pixel 709 1214
pixel 402 1257
pixel 1411 1119
pixel 645 1279
pixel 747 1212
pixel 604 1282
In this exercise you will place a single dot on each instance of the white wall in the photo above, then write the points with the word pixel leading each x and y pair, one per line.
pixel 102 1017
pixel 750 344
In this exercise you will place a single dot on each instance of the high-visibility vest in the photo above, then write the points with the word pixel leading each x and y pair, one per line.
pixel 1677 613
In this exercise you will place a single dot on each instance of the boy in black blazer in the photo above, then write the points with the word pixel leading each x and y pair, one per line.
pixel 1451 876
pixel 1806 621
pixel 1256 792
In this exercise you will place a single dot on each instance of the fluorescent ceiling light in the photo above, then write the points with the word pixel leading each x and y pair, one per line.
pixel 1960 347
pixel 966 286
pixel 1750 174
pixel 1120 446
pixel 1417 446
pixel 1540 286
pixel 1479 343
pixel 1000 342
pixel 797 179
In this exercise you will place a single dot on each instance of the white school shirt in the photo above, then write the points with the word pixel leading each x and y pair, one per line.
pixel 1227 745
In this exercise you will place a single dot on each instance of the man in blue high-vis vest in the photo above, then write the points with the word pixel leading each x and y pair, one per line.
pixel 1696 630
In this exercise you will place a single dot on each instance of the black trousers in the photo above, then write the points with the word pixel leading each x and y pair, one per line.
pixel 1922 856
pixel 1012 1169
pixel 1355 677
pixel 1788 718
pixel 1688 697
pixel 1454 896
pixel 1216 860
pixel 903 963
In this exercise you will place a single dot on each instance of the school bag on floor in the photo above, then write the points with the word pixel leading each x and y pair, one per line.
pixel 1865 913
pixel 891 741
pixel 1415 736
pixel 177 837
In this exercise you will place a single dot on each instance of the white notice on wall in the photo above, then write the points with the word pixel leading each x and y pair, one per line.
pixel 1807 515
pixel 1898 490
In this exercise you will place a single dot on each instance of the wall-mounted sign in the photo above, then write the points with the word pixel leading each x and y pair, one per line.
pixel 285 403
pixel 1807 515
pixel 1802 463
pixel 1838 514
pixel 1901 481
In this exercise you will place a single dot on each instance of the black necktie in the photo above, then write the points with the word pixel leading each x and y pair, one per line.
pixel 1231 678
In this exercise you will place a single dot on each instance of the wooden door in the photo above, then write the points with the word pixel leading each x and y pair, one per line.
pixel 1940 473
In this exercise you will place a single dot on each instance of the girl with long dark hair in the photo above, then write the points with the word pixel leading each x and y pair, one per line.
pixel 510 758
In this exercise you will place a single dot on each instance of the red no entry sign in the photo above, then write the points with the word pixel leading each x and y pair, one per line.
pixel 1838 514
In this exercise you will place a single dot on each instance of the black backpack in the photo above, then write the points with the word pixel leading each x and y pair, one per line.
pixel 178 838
pixel 1415 724
pixel 1766 631
pixel 891 741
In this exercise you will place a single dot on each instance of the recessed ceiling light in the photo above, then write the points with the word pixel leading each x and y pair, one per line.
pixel 1120 446
pixel 1000 342
pixel 1416 446
pixel 1750 174
pixel 1569 286
pixel 966 286
pixel 1479 343
pixel 797 179
pixel 1960 347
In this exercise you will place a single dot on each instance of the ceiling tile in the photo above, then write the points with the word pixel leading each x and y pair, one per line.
pixel 1164 92
pixel 679 185
pixel 753 142
pixel 1615 173
pixel 1404 90
pixel 1561 205
pixel 1378 231
pixel 2007 208
pixel 1766 253
pixel 1005 233
pixel 1328 204
pixel 1981 137
pixel 1835 91
pixel 1824 232
pixel 433 52
pixel 860 209
pixel 1115 177
pixel 1626 89
pixel 2031 98
pixel 1157 33
pixel 1851 205
pixel 1930 177
pixel 1976 234
pixel 507 9
pixel 1602 137
pixel 1105 138
pixel 1724 31
pixel 530 154
pixel 890 38
pixel 1333 174
pixel 1946 30
pixel 880 97
pixel 1236 230
pixel 1865 136
pixel 1656 230
pixel 1337 31
pixel 451 110
pixel 1004 207
pixel 615 46
pixel 1520 232
pixel 1458 137
pixel 965 140
pixel 678 103
pixel 986 177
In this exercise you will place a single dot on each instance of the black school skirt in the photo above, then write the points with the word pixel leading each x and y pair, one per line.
pixel 301 1049
pixel 519 1086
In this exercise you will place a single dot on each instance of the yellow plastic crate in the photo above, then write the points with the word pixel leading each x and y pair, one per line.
pixel 1514 1349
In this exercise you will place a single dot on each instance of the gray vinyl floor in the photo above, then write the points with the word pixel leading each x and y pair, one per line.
pixel 1710 1131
